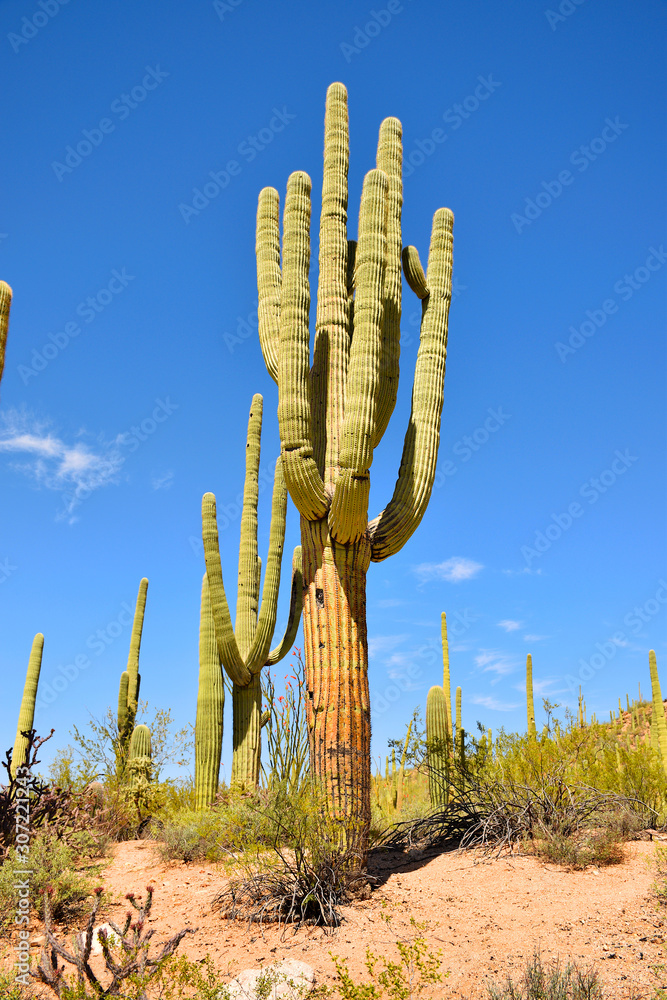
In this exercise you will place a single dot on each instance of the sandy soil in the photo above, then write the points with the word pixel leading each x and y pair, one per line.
pixel 487 918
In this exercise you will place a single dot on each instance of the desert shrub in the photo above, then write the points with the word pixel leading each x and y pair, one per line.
pixel 10 989
pixel 54 864
pixel 553 982
pixel 659 862
pixel 590 847
pixel 286 729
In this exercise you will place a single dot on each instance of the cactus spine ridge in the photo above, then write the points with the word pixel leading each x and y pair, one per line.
pixel 210 708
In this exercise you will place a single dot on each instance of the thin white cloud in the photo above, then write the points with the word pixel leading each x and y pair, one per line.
pixel 487 701
pixel 381 644
pixel 523 571
pixel 534 638
pixel 491 661
pixel 75 470
pixel 164 481
pixel 453 570
pixel 509 625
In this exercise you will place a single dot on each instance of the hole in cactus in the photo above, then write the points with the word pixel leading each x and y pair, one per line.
pixel 319 598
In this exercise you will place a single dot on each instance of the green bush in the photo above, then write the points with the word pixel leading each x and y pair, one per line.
pixel 590 847
pixel 552 982
pixel 53 864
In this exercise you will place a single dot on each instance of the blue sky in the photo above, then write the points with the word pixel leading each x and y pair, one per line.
pixel 134 307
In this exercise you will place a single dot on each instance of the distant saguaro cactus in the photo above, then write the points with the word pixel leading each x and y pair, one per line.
pixel 532 728
pixel 332 416
pixel 140 757
pixel 5 303
pixel 658 708
pixel 130 682
pixel 27 711
pixel 245 649
pixel 438 749
pixel 210 707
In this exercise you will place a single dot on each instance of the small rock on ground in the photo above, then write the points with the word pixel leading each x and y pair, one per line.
pixel 291 980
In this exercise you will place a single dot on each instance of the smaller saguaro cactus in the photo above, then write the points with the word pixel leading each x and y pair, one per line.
pixel 244 648
pixel 130 681
pixel 532 728
pixel 27 711
pixel 401 770
pixel 140 759
pixel 658 708
pixel 437 745
pixel 459 729
pixel 5 303
pixel 210 708
pixel 446 680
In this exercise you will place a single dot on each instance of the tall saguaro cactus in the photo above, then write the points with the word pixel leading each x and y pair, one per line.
pixel 658 708
pixel 27 710
pixel 245 648
pixel 130 682
pixel 5 303
pixel 438 745
pixel 530 704
pixel 333 415
pixel 210 707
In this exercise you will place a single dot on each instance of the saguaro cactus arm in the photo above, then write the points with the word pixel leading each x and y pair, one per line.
pixel 400 518
pixel 210 708
pixel 27 710
pixel 295 608
pixel 294 414
pixel 269 278
pixel 122 701
pixel 446 680
pixel 247 599
pixel 5 303
pixel 224 630
pixel 135 647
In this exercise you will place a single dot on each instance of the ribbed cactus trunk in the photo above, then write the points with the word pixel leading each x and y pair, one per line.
pixel 438 746
pixel 446 679
pixel 140 757
pixel 532 728
pixel 5 303
pixel 27 710
pixel 658 708
pixel 130 683
pixel 333 415
pixel 210 708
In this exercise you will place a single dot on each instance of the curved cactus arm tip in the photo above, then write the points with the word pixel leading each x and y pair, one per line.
pixel 5 304
pixel 269 277
pixel 135 648
pixel 224 630
pixel 348 516
pixel 295 608
pixel 122 702
pixel 393 527
pixel 414 272
pixel 294 412
pixel 248 590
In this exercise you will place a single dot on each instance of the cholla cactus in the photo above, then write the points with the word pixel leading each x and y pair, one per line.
pixel 210 708
pixel 333 415
pixel 245 649
pixel 27 711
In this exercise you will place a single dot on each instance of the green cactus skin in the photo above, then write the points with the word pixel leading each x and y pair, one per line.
pixel 437 744
pixel 332 418
pixel 446 679
pixel 130 680
pixel 532 728
pixel 5 304
pixel 140 755
pixel 210 708
pixel 459 730
pixel 245 648
pixel 401 770
pixel 27 710
pixel 658 709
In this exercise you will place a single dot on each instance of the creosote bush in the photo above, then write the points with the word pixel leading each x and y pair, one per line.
pixel 552 982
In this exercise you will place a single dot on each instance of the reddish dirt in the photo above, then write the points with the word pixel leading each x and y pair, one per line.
pixel 487 918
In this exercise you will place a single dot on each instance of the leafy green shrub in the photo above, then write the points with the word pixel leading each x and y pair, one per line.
pixel 10 989
pixel 237 821
pixel 551 982
pixel 659 862
pixel 591 847
pixel 52 863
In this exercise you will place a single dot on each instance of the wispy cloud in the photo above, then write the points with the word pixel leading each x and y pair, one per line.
pixel 379 645
pixel 523 571
pixel 390 602
pixel 535 638
pixel 74 469
pixel 492 661
pixel 509 625
pixel 163 481
pixel 453 570
pixel 487 701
